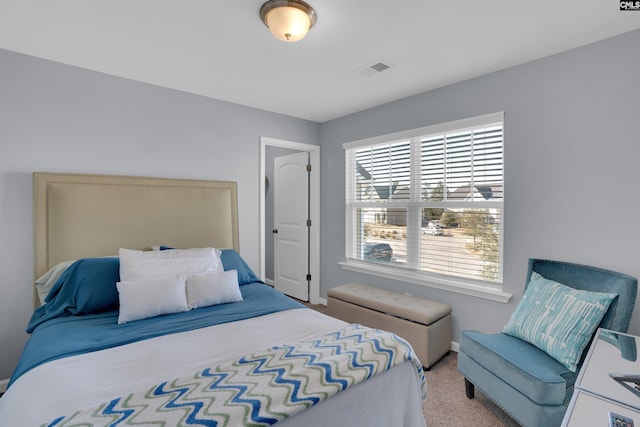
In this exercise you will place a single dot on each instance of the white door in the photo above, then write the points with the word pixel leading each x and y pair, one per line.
pixel 291 238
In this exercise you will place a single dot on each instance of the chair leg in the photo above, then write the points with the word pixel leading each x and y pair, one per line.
pixel 469 388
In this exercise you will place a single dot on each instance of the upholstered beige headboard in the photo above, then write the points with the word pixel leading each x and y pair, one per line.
pixel 77 216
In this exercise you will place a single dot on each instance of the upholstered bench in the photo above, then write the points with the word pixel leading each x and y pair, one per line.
pixel 424 323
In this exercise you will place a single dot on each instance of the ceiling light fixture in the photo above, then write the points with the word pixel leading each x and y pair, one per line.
pixel 288 20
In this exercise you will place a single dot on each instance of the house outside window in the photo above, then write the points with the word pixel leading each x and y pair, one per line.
pixel 427 205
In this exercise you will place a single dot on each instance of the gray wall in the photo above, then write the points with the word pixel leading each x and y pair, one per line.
pixel 57 118
pixel 572 167
pixel 572 146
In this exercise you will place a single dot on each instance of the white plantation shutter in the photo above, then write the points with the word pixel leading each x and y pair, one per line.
pixel 470 158
pixel 381 171
pixel 450 174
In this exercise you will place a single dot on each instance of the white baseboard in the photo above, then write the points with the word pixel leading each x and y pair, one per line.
pixel 3 385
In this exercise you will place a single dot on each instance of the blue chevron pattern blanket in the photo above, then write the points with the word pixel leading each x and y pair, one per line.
pixel 262 388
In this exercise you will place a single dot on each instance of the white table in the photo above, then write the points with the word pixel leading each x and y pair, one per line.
pixel 596 392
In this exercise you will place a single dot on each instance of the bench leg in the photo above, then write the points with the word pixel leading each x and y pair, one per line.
pixel 469 388
pixel 428 368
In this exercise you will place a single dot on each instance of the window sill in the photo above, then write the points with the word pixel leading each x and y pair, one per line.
pixel 478 291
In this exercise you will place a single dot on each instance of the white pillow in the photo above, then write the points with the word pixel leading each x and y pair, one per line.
pixel 213 288
pixel 175 262
pixel 151 296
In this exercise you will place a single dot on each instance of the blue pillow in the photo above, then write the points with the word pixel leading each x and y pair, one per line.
pixel 558 319
pixel 88 286
pixel 231 260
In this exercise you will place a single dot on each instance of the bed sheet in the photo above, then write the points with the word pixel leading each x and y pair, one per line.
pixel 70 335
pixel 63 386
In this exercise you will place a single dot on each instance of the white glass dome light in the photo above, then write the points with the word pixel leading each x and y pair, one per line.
pixel 288 20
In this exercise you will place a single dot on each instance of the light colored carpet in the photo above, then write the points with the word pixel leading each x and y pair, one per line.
pixel 447 404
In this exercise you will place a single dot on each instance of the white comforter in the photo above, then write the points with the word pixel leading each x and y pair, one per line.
pixel 66 385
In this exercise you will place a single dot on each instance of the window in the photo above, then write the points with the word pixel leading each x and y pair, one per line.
pixel 428 203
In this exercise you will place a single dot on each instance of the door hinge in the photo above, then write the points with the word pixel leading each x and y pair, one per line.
pixel 308 277
pixel 308 223
pixel 309 167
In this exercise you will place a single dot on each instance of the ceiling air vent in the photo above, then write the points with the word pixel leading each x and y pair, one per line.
pixel 380 66
pixel 375 68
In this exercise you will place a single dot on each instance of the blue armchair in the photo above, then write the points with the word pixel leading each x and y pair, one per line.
pixel 526 382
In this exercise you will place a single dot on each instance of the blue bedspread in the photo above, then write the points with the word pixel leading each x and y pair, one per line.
pixel 72 335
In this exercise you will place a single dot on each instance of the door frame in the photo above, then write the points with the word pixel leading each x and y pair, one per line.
pixel 314 199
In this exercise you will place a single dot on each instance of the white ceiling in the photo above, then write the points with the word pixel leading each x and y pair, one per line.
pixel 221 49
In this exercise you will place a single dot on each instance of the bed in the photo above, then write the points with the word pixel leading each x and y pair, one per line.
pixel 147 313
